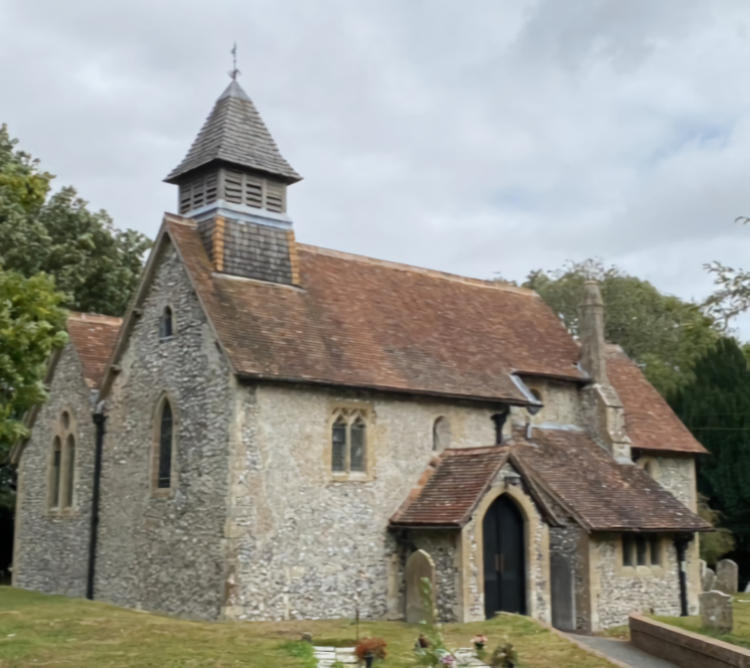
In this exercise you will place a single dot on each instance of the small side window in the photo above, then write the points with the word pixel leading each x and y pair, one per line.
pixel 54 475
pixel 165 324
pixel 349 442
pixel 628 549
pixel 163 454
pixel 441 434
pixel 70 468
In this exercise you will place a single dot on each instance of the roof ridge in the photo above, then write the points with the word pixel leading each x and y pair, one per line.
pixel 402 266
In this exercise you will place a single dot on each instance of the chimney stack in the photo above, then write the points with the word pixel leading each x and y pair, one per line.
pixel 591 333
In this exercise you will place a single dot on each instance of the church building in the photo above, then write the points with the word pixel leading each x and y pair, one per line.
pixel 281 431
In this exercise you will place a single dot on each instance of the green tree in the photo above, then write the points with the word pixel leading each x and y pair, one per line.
pixel 662 333
pixel 32 325
pixel 715 406
pixel 94 264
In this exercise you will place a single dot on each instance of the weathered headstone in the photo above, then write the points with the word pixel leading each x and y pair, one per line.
pixel 419 565
pixel 726 576
pixel 747 588
pixel 708 578
pixel 716 611
pixel 562 590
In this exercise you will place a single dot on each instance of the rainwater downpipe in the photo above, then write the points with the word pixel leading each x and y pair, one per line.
pixel 99 418
pixel 680 544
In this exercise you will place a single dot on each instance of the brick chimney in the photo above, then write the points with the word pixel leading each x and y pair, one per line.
pixel 602 406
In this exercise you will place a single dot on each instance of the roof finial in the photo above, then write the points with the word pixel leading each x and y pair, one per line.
pixel 233 74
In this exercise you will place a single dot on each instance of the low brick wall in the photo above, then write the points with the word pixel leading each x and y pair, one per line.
pixel 683 647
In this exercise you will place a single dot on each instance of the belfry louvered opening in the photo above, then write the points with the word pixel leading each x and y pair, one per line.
pixel 234 187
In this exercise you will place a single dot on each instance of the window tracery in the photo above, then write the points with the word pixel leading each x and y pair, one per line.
pixel 349 441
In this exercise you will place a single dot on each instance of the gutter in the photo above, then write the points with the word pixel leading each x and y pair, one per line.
pixel 99 418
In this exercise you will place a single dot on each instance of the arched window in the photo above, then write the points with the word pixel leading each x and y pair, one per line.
pixel 349 442
pixel 54 475
pixel 165 324
pixel 441 434
pixel 358 445
pixel 164 447
pixel 338 444
pixel 69 468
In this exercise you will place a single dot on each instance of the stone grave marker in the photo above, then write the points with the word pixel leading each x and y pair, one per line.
pixel 716 611
pixel 419 565
pixel 708 578
pixel 726 576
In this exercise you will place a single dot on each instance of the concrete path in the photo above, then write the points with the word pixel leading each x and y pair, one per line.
pixel 622 652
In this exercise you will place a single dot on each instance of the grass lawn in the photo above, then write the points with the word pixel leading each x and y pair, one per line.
pixel 36 629
pixel 740 634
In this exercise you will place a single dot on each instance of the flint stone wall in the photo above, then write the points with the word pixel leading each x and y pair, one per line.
pixel 304 545
pixel 617 590
pixel 51 548
pixel 571 542
pixel 166 553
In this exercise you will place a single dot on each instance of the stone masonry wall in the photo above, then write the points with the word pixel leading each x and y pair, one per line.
pixel 305 545
pixel 676 474
pixel 51 552
pixel 166 553
pixel 617 591
pixel 571 542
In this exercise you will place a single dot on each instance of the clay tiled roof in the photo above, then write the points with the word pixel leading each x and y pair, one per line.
pixel 93 337
pixel 650 422
pixel 600 494
pixel 366 323
pixel 451 487
pixel 235 133
pixel 563 465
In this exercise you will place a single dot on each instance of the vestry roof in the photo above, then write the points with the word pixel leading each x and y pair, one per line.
pixel 93 337
pixel 366 323
pixel 235 133
pixel 564 465
pixel 649 421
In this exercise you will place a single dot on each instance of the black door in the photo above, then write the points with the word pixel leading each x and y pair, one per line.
pixel 504 573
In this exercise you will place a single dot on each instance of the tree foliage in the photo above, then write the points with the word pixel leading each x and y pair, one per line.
pixel 660 332
pixel 32 325
pixel 94 264
pixel 714 544
pixel 715 406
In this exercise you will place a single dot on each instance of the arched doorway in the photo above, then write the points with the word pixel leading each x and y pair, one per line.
pixel 504 561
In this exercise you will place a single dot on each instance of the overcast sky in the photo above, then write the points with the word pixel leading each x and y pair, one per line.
pixel 474 137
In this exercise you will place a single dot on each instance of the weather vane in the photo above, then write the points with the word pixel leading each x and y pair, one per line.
pixel 234 71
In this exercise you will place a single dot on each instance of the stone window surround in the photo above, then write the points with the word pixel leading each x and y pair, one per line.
pixel 64 433
pixel 647 570
pixel 442 435
pixel 155 490
pixel 650 465
pixel 162 316
pixel 351 410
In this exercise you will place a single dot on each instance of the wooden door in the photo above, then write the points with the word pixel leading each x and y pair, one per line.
pixel 504 562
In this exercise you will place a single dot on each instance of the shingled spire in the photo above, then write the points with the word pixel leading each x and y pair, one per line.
pixel 233 183
pixel 234 133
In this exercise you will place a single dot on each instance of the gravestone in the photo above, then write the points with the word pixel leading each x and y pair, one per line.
pixel 419 565
pixel 726 576
pixel 716 611
pixel 708 578
pixel 563 593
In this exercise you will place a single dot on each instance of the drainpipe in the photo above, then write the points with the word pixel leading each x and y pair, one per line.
pixel 99 418
pixel 680 544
